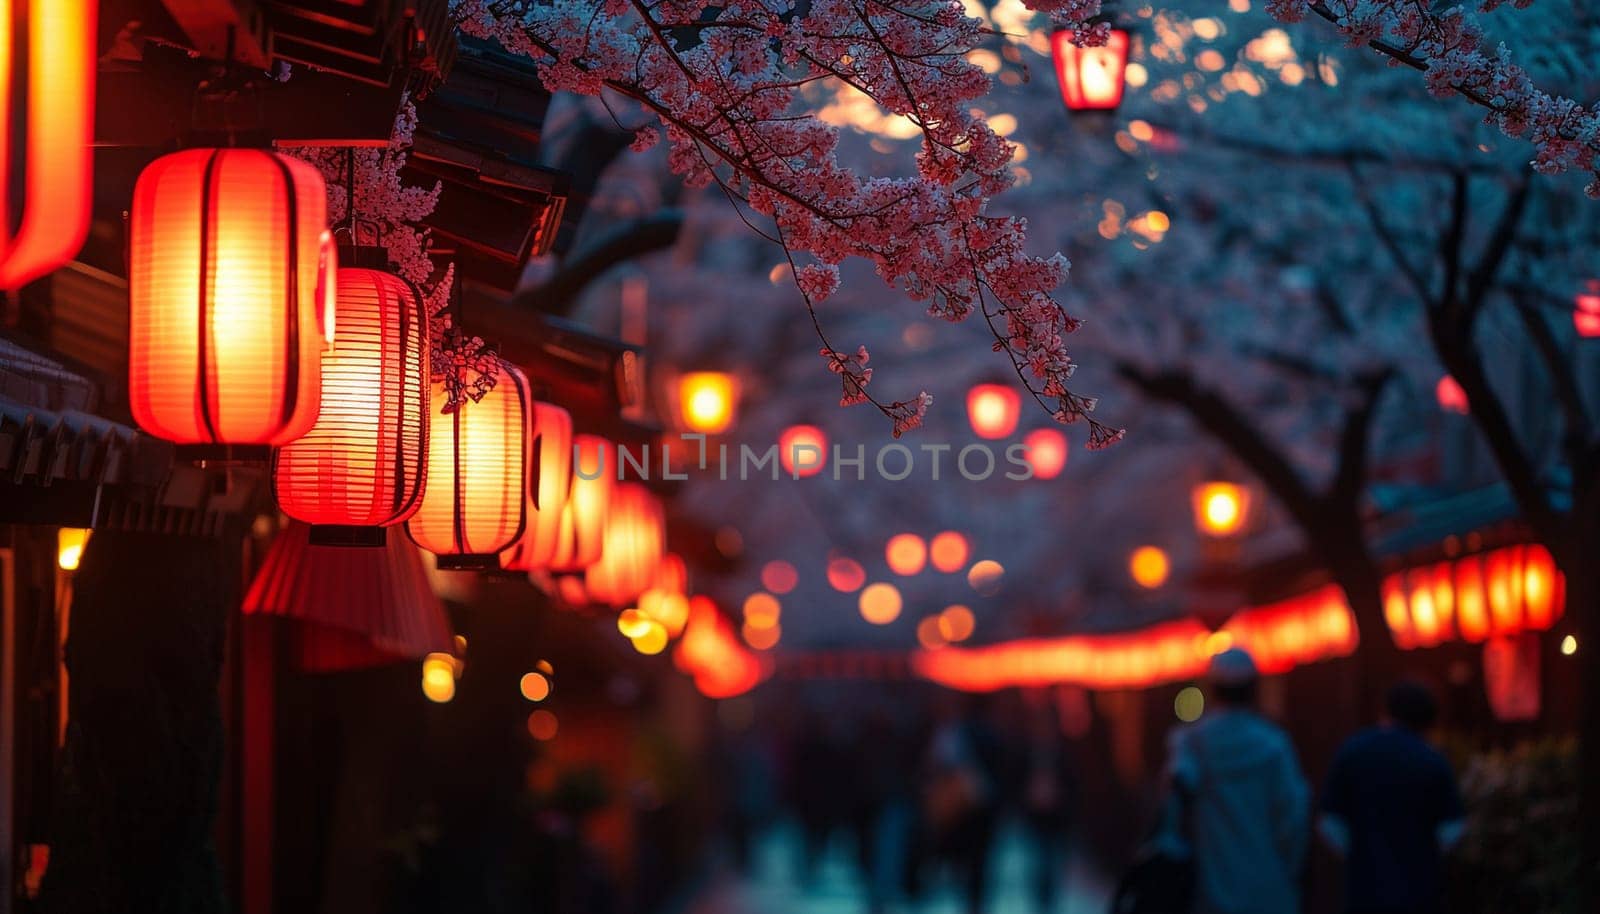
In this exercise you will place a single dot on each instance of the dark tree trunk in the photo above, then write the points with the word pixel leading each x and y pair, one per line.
pixel 1354 570
pixel 140 769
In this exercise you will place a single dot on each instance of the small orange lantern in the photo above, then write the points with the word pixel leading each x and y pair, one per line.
pixel 359 469
pixel 228 294
pixel 993 410
pixel 1503 592
pixel 550 456
pixel 1221 508
pixel 1091 79
pixel 633 543
pixel 475 500
pixel 55 157
pixel 581 533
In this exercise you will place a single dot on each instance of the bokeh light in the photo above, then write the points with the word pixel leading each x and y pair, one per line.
pixel 1569 645
pixel 1220 508
pixel 1452 398
pixel 993 409
pixel 762 610
pixel 543 725
pixel 985 576
pixel 1149 566
pixel 1189 705
pixel 70 543
pixel 779 576
pixel 845 574
pixel 707 401
pixel 534 686
pixel 956 623
pixel 928 634
pixel 803 450
pixel 439 677
pixel 1047 452
pixel 949 552
pixel 906 554
pixel 880 603
pixel 653 639
pixel 762 638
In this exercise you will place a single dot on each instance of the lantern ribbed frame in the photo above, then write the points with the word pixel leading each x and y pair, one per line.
pixel 54 150
pixel 474 501
pixel 227 279
pixel 580 537
pixel 361 464
pixel 550 456
pixel 634 541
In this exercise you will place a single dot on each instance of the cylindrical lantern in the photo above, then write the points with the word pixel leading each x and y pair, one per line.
pixel 227 275
pixel 54 154
pixel 360 467
pixel 634 539
pixel 993 410
pixel 581 533
pixel 1091 79
pixel 548 487
pixel 474 501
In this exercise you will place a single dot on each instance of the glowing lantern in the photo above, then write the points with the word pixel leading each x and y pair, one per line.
pixel 359 468
pixel 550 457
pixel 1586 309
pixel 632 548
pixel 1220 508
pixel 1503 592
pixel 229 291
pixel 906 554
pixel 474 502
pixel 1091 79
pixel 949 552
pixel 707 401
pixel 803 450
pixel 1451 397
pixel 52 152
pixel 1149 567
pixel 1047 452
pixel 581 533
pixel 70 543
pixel 993 410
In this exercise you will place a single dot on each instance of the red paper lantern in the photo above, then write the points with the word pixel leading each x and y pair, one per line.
pixel 551 458
pixel 634 540
pixel 1047 452
pixel 228 293
pixel 1586 310
pixel 1091 79
pixel 54 153
pixel 1503 592
pixel 360 467
pixel 993 410
pixel 581 533
pixel 474 502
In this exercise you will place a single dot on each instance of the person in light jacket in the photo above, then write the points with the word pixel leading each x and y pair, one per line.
pixel 1239 800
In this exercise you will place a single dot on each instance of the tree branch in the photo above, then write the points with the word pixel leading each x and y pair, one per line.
pixel 1350 478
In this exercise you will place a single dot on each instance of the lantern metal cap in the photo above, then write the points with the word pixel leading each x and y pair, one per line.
pixel 348 536
pixel 468 562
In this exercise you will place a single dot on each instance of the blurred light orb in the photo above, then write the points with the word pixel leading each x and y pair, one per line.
pixel 1452 398
pixel 1189 705
pixel 846 575
pixel 70 543
pixel 652 639
pixel 1217 642
pixel 906 554
pixel 534 686
pixel 632 623
pixel 1220 508
pixel 1047 452
pixel 543 725
pixel 803 450
pixel 708 400
pixel 1149 567
pixel 880 603
pixel 762 638
pixel 949 552
pixel 762 610
pixel 439 677
pixel 993 410
pixel 985 576
pixel 956 623
pixel 779 576
pixel 928 634
pixel 1569 645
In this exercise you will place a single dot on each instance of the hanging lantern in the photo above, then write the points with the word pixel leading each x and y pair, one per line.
pixel 1586 310
pixel 359 469
pixel 993 410
pixel 474 502
pixel 581 532
pixel 550 456
pixel 707 401
pixel 1091 79
pixel 52 151
pixel 229 290
pixel 633 541
pixel 1503 592
pixel 1220 508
